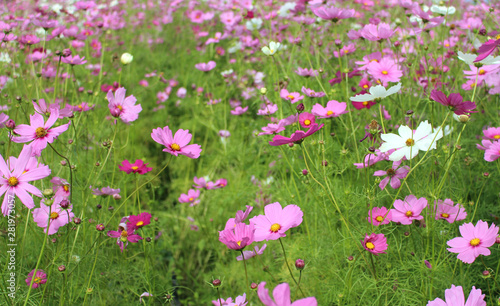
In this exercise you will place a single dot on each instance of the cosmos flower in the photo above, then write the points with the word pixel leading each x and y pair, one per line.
pixel 178 144
pixel 455 297
pixel 475 241
pixel 191 197
pixel 205 66
pixel 454 101
pixel 293 97
pixel 379 216
pixel 141 220
pixel 272 49
pixel 121 107
pixel 238 237
pixel 375 243
pixel 137 167
pixel 394 175
pixel 446 210
pixel 408 210
pixel 281 294
pixel 39 279
pixel 124 236
pixel 276 221
pixel 296 137
pixel 52 217
pixel 333 109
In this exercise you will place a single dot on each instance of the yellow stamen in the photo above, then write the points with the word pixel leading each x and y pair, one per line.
pixel 384 72
pixel 496 136
pixel 13 181
pixel 134 167
pixel 275 227
pixel 409 213
pixel 307 122
pixel 445 215
pixel 410 142
pixel 191 199
pixel 54 215
pixel 140 223
pixel 475 242
pixel 40 132
pixel 379 218
pixel 365 103
pixel 370 245
pixel 175 147
pixel 482 71
pixel 328 113
pixel 290 97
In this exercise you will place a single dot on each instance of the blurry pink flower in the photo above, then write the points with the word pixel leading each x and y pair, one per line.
pixel 121 107
pixel 311 93
pixel 394 175
pixel 455 297
pixel 220 183
pixel 350 48
pixel 238 110
pixel 199 182
pixel 379 216
pixel 137 167
pixel 61 187
pixel 39 279
pixel 376 32
pixel 29 39
pixel 267 109
pixel 250 254
pixel 238 237
pixel 272 128
pixel 333 13
pixel 3 119
pixel 281 294
pixel 408 210
pixel 178 144
pixel 205 66
pixel 306 72
pixel 492 133
pixel 306 120
pixel 52 217
pixel 333 109
pixel 191 197
pixel 296 137
pixel 375 243
pixel 74 60
pixel 448 211
pixel 82 107
pixel 141 220
pixel 386 70
pixel 492 152
pixel 293 97
pixel 105 191
pixel 276 221
pixel 41 133
pixel 144 295
pixel 475 241
pixel 243 215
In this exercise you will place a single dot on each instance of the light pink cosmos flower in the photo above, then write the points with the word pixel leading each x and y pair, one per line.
pixel 41 133
pixel 124 236
pixel 191 197
pixel 296 137
pixel 475 241
pixel 105 191
pixel 205 66
pixel 220 183
pixel 238 110
pixel 375 243
pixel 333 109
pixel 379 216
pixel 249 254
pixel 281 294
pixel 448 211
pixel 455 297
pixel 377 32
pixel 178 144
pixel 15 182
pixel 199 182
pixel 74 60
pixel 238 237
pixel 492 133
pixel 386 71
pixel 408 210
pixel 276 221
pixel 267 109
pixel 311 93
pixel 306 72
pixel 39 279
pixel 348 49
pixel 394 175
pixel 52 217
pixel 293 97
pixel 61 187
pixel 333 13
pixel 121 107
pixel 492 152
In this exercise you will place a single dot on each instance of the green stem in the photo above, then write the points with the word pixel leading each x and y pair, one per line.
pixel 246 274
pixel 289 270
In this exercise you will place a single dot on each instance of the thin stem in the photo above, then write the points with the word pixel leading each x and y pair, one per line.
pixel 70 173
pixel 245 264
pixel 289 270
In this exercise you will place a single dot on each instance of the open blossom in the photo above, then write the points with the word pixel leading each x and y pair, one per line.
pixel 124 236
pixel 333 109
pixel 178 144
pixel 475 241
pixel 141 220
pixel 74 60
pixel 333 13
pixel 306 72
pixel 205 66
pixel 238 237
pixel 267 109
pixel 293 97
pixel 52 217
pixel 379 216
pixel 454 101
pixel 38 132
pixel 394 175
pixel 377 32
pixel 238 110
pixel 455 297
pixel 106 191
pixel 448 211
pixel 376 93
pixel 276 221
pixel 385 70
pixel 306 120
pixel 123 107
pixel 281 294
pixel 272 49
pixel 375 243
pixel 137 167
pixel 39 278
pixel 408 210
pixel 492 152
pixel 311 93
pixel 296 137
pixel 191 197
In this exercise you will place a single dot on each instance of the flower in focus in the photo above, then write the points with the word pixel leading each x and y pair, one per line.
pixel 293 97
pixel 306 120
pixel 377 93
pixel 475 241
pixel 276 221
pixel 121 107
pixel 191 197
pixel 124 236
pixel 379 216
pixel 386 70
pixel 394 175
pixel 238 237
pixel 296 137
pixel 446 210
pixel 141 220
pixel 408 210
pixel 54 215
pixel 281 294
pixel 375 243
pixel 178 144
pixel 455 297
pixel 333 109
pixel 137 167
pixel 454 102
pixel 272 49
pixel 39 279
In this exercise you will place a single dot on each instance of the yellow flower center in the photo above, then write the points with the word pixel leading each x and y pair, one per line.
pixel 140 223
pixel 120 107
pixel 472 85
pixel 384 72
pixel 481 71
pixel 37 280
pixel 365 103
pixel 446 45
pixel 80 106
pixel 175 147
pixel 475 242
pixel 307 122
pixel 54 215
pixel 410 142
pixel 409 213
pixel 191 199
pixel 379 218
pixel 239 243
pixel 290 97
pixel 346 51
pixel 40 132
pixel 445 215
pixel 497 37
pixel 134 167
pixel 275 227
pixel 123 236
pixel 328 113
pixel 271 51
pixel 66 188
pixel 496 136
pixel 13 181
pixel 365 86
pixel 370 245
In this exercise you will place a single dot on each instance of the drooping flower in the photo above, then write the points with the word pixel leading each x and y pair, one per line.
pixel 276 221
pixel 121 107
pixel 38 132
pixel 296 137
pixel 205 66
pixel 178 144
pixel 15 182
pixel 191 197
pixel 394 175
pixel 333 13
pixel 137 167
pixel 238 237
pixel 446 210
pixel 475 241
pixel 375 243
pixel 379 216
pixel 281 294
pixel 408 210
pixel 455 297
pixel 52 217
pixel 249 254
pixel 39 278
pixel 376 93
pixel 454 101
pixel 333 109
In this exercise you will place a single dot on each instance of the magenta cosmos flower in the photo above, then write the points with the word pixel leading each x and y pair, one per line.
pixel 296 137
pixel 137 167
pixel 39 278
pixel 394 175
pixel 15 182
pixel 178 144
pixel 454 101
pixel 375 243
pixel 446 210
pixel 121 107
pixel 191 197
pixel 276 221
pixel 475 241
pixel 378 216
pixel 41 133
pixel 293 97
pixel 141 220
pixel 455 297
pixel 281 294
pixel 124 236
pixel 74 60
pixel 205 66
pixel 52 217
pixel 333 13
pixel 333 109
pixel 306 120
pixel 408 210
pixel 238 237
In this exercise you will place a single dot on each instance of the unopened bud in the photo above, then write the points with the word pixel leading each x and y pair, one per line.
pixel 216 282
pixel 300 264
pixel 263 91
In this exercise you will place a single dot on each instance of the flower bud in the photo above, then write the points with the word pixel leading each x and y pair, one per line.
pixel 305 172
pixel 126 58
pixel 300 264
pixel 263 91
pixel 64 204
pixel 77 220
pixel 300 108
pixel 66 52
pixel 216 282
pixel 61 268
pixel 48 193
pixel 253 286
pixel 10 124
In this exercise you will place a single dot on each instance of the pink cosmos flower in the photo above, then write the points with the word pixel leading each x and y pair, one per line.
pixel 455 297
pixel 306 72
pixel 220 183
pixel 486 49
pixel 372 159
pixel 82 107
pixel 296 137
pixel 350 48
pixel 39 279
pixel 178 144
pixel 408 210
pixel 448 211
pixel 41 133
pixel 267 109
pixel 376 32
pixel 454 101
pixel 368 59
pixel 238 110
pixel 293 97
pixel 124 236
pixel 306 120
pixel 311 93
pixel 141 220
pixel 238 237
pixel 375 243
pixel 492 152
pixel 276 221
pixel 243 215
pixel 137 167
pixel 74 60
pixel 106 191
pixel 475 241
pixel 379 216
pixel 199 182
pixel 52 217
pixel 29 39
pixel 15 182
pixel 333 109
pixel 272 128
pixel 492 133
pixel 394 175
pixel 386 71
pixel 3 119
pixel 250 254
pixel 121 107
pixel 281 294
pixel 205 66
pixel 333 13
pixel 191 197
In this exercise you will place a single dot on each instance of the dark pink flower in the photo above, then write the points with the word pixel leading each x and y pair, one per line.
pixel 375 243
pixel 39 278
pixel 296 137
pixel 238 237
pixel 178 144
pixel 306 120
pixel 454 101
pixel 137 167
pixel 141 220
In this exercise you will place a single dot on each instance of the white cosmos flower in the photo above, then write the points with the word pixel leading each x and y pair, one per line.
pixel 443 10
pixel 470 58
pixel 272 49
pixel 254 24
pixel 409 143
pixel 377 92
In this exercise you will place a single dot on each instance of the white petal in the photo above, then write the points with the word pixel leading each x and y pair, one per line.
pixel 405 132
pixel 394 89
pixel 362 98
pixel 399 154
pixel 378 91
